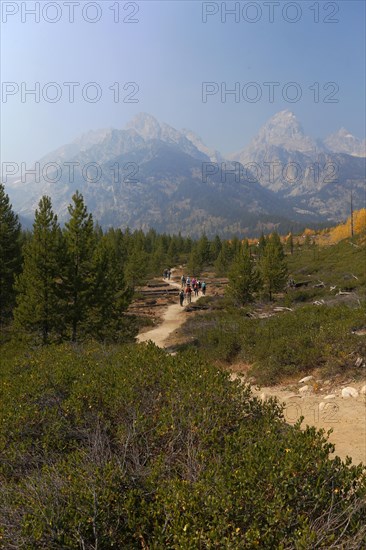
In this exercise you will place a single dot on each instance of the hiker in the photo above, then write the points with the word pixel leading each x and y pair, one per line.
pixel 195 288
pixel 188 294
pixel 188 280
pixel 181 297
pixel 169 273
pixel 203 288
pixel 183 281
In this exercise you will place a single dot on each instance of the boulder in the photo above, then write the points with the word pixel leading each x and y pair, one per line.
pixel 349 392
pixel 363 390
pixel 305 389
pixel 330 396
pixel 306 379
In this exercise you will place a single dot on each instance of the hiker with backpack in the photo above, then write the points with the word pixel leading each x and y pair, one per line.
pixel 203 288
pixel 189 294
pixel 181 297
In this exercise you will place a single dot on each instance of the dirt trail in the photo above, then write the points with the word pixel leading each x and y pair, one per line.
pixel 347 417
pixel 173 318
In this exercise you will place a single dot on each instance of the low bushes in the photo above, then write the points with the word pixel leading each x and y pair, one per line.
pixel 127 447
pixel 285 344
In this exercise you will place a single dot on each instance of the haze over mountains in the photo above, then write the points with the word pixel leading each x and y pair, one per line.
pixel 152 175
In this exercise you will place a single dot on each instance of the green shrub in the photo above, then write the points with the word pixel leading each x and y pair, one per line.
pixel 128 447
pixel 286 344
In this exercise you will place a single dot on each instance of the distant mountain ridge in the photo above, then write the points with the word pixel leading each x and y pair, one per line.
pixel 150 174
pixel 344 142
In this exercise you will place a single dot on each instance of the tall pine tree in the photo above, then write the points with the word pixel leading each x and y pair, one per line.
pixel 243 278
pixel 223 260
pixel 273 266
pixel 78 273
pixel 39 308
pixel 10 254
pixel 137 261
pixel 110 293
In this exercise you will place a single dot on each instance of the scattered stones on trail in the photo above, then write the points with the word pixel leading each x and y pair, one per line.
pixel 306 379
pixel 346 417
pixel 349 392
pixel 305 390
pixel 293 395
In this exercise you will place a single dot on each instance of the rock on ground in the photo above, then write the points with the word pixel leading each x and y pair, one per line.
pixel 306 379
pixel 349 392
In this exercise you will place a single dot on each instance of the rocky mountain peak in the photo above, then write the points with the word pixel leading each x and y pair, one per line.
pixel 146 125
pixel 343 141
pixel 284 130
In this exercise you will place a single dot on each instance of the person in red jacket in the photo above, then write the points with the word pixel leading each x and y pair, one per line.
pixel 189 294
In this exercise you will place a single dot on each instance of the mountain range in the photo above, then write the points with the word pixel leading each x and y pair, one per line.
pixel 149 174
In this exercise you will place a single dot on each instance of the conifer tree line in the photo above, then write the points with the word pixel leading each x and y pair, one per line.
pixel 65 283
pixel 260 269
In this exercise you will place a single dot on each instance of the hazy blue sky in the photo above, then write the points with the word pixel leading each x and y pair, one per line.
pixel 169 52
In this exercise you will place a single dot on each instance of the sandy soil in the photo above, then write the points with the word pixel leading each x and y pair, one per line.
pixel 345 416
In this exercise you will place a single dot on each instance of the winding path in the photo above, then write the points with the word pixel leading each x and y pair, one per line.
pixel 173 318
pixel 348 418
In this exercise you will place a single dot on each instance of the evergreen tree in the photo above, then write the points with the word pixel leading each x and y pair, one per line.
pixel 273 267
pixel 203 251
pixel 158 259
pixel 261 245
pixel 10 253
pixel 188 245
pixel 180 243
pixel 243 278
pixel 137 263
pixel 194 262
pixel 290 244
pixel 78 274
pixel 235 247
pixel 150 241
pixel 111 295
pixel 223 260
pixel 276 241
pixel 215 248
pixel 39 307
pixel 172 254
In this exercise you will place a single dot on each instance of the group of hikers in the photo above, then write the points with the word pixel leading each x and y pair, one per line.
pixel 188 286
pixel 167 273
